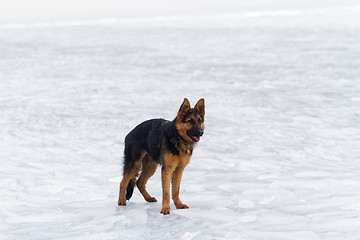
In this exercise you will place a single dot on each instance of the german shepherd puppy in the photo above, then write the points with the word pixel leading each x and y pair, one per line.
pixel 168 143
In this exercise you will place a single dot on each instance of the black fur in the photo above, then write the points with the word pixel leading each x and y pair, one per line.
pixel 129 190
pixel 150 136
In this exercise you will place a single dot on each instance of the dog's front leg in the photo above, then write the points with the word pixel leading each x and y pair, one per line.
pixel 166 174
pixel 176 179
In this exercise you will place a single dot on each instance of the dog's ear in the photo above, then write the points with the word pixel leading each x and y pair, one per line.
pixel 200 107
pixel 185 107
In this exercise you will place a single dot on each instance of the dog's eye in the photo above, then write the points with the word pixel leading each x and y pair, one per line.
pixel 191 121
pixel 199 121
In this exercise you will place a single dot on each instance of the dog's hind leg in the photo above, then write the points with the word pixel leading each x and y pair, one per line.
pixel 123 185
pixel 128 182
pixel 148 169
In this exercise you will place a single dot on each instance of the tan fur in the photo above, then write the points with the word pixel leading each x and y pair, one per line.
pixel 175 187
pixel 173 167
pixel 183 127
pixel 148 169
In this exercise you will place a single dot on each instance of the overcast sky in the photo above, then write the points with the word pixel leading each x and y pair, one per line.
pixel 14 10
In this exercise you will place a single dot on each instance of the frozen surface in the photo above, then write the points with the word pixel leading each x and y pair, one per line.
pixel 280 157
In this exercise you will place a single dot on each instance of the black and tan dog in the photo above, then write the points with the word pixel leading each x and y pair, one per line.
pixel 168 143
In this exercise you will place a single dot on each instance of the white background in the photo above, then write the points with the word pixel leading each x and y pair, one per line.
pixel 23 10
pixel 280 155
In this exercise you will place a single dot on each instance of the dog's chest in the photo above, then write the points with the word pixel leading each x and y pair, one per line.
pixel 176 160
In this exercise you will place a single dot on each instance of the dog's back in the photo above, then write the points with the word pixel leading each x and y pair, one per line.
pixel 144 137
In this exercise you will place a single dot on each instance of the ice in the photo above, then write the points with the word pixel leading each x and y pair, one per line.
pixel 279 158
pixel 247 204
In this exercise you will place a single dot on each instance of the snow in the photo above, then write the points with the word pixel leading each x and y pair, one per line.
pixel 279 158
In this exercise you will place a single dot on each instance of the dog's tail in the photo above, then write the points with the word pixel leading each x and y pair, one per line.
pixel 130 188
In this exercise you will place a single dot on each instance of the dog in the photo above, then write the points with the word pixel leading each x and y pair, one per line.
pixel 168 143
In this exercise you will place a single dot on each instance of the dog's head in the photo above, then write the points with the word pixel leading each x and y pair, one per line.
pixel 190 121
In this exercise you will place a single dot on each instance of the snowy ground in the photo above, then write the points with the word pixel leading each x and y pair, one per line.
pixel 280 157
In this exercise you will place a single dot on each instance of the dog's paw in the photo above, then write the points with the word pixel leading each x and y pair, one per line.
pixel 151 199
pixel 165 210
pixel 122 202
pixel 181 206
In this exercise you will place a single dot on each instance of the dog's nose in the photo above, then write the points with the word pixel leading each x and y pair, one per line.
pixel 201 132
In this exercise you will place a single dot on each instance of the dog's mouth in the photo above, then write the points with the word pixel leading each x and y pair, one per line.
pixel 195 137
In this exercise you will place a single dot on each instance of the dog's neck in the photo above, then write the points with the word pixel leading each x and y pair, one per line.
pixel 179 140
pixel 188 146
